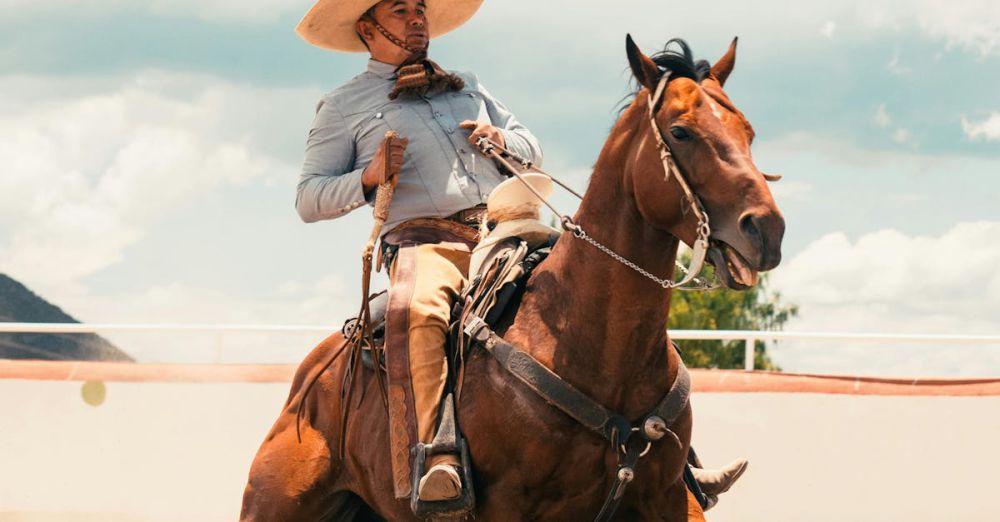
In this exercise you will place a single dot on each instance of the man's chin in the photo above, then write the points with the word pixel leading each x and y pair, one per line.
pixel 418 42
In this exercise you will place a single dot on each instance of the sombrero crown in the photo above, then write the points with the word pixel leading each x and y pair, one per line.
pixel 330 24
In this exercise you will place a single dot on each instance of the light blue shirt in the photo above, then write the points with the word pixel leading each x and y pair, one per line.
pixel 441 173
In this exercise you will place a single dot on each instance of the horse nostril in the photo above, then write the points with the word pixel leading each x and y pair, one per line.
pixel 748 225
pixel 763 232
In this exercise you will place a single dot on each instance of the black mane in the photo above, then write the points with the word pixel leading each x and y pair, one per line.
pixel 681 63
pixel 677 63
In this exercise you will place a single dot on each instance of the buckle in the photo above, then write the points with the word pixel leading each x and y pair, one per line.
pixel 468 216
pixel 476 329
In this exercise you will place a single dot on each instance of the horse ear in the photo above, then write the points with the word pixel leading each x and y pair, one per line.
pixel 642 67
pixel 724 66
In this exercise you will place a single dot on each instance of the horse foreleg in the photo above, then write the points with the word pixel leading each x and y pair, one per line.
pixel 292 480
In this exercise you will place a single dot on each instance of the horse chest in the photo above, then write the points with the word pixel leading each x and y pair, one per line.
pixel 533 459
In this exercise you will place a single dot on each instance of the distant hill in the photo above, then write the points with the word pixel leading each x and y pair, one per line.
pixel 20 305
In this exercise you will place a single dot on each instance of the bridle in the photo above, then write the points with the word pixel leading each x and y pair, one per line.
pixel 670 169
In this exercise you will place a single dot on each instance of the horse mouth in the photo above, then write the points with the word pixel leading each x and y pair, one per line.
pixel 732 268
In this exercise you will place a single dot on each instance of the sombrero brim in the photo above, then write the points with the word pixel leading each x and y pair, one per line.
pixel 512 193
pixel 330 24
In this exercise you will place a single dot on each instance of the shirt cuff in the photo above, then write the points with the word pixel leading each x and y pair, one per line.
pixel 370 197
pixel 516 144
pixel 355 189
pixel 355 192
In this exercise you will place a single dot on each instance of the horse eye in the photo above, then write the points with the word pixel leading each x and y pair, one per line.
pixel 680 133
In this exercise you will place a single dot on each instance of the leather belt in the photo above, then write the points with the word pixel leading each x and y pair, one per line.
pixel 424 230
pixel 469 216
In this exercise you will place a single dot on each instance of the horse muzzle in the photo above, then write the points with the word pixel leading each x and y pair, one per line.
pixel 739 253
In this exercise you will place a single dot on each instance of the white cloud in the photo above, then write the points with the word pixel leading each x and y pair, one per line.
pixel 889 282
pixel 895 65
pixel 229 11
pixel 829 27
pixel 84 176
pixel 789 189
pixel 986 130
pixel 882 118
pixel 255 11
pixel 973 25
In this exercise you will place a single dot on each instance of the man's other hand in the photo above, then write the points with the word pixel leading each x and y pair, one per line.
pixel 385 164
pixel 484 130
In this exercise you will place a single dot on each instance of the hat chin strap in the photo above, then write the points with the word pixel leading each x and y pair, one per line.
pixel 415 54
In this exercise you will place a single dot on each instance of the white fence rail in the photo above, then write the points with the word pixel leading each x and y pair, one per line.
pixel 749 337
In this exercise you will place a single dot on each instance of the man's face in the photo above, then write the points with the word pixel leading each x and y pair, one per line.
pixel 404 19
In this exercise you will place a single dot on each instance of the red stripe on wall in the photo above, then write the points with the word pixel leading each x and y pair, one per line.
pixel 133 372
pixel 705 381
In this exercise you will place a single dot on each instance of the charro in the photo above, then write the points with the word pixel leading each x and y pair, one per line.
pixel 441 183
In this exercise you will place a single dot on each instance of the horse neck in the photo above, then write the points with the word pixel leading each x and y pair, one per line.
pixel 611 326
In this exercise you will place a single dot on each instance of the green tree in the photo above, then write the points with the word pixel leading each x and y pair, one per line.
pixel 757 308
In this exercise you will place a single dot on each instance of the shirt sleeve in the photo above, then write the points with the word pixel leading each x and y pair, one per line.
pixel 516 137
pixel 330 185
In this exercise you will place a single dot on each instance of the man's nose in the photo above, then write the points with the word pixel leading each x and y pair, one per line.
pixel 418 20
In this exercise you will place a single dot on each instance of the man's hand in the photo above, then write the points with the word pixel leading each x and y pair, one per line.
pixel 385 164
pixel 484 130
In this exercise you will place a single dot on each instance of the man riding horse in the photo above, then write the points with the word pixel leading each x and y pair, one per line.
pixel 441 185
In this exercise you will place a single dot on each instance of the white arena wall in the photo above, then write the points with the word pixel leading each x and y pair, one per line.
pixel 175 443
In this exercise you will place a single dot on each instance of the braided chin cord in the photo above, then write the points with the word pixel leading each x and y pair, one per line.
pixel 399 43
pixel 418 75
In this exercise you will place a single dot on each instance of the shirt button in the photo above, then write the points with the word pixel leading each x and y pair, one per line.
pixel 462 151
pixel 449 130
pixel 437 114
pixel 378 115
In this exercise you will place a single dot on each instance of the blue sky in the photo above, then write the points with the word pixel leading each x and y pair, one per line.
pixel 150 153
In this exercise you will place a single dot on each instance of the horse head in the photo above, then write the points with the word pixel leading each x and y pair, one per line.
pixel 709 139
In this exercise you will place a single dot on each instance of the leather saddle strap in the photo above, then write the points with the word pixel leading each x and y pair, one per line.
pixel 548 385
pixel 676 399
pixel 571 401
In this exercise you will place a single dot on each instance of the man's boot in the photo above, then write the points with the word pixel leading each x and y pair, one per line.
pixel 442 481
pixel 714 482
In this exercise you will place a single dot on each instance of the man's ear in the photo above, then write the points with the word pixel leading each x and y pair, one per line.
pixel 365 30
pixel 645 71
pixel 725 65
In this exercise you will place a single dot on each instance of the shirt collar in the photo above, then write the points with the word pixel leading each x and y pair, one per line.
pixel 383 70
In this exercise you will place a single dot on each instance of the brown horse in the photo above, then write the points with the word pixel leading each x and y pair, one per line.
pixel 597 323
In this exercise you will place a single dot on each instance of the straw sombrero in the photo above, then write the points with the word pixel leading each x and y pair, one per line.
pixel 513 193
pixel 330 23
